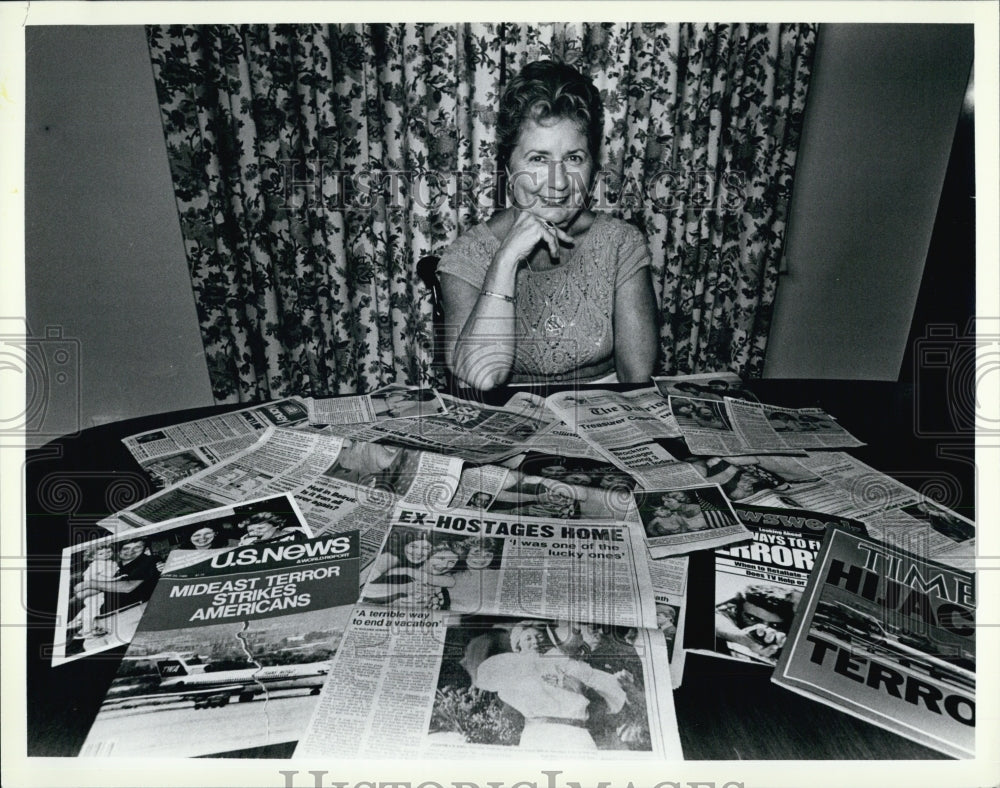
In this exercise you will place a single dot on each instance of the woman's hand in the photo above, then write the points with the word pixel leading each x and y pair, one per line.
pixel 527 232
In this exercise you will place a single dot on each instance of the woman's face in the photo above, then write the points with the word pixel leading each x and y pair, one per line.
pixel 262 530
pixel 550 170
pixel 417 551
pixel 442 562
pixel 202 538
pixel 479 557
pixel 530 642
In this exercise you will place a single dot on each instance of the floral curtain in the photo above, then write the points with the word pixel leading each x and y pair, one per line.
pixel 313 165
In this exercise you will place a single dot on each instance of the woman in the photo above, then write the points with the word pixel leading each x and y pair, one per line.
pixel 425 586
pixel 548 688
pixel 268 527
pixel 547 290
pixel 205 537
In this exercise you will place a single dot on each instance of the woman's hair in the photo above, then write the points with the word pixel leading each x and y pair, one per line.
pixel 546 90
pixel 518 631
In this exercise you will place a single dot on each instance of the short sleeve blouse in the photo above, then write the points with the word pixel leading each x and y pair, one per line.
pixel 564 316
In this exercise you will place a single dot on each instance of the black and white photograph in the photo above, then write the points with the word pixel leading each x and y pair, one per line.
pixel 541 686
pixel 569 488
pixel 423 569
pixel 105 583
pixel 435 208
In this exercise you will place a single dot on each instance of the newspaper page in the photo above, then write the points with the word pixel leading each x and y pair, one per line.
pixel 471 562
pixel 389 402
pixel 559 438
pixel 808 428
pixel 679 521
pixel 104 583
pixel 850 487
pixel 888 636
pixel 471 431
pixel 432 686
pixel 340 484
pixel 231 654
pixel 669 578
pixel 705 385
pixel 634 429
pixel 755 588
pixel 539 484
pixel 173 453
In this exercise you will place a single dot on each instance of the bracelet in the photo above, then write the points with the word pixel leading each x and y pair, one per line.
pixel 501 296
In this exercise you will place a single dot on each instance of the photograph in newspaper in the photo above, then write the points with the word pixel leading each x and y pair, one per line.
pixel 443 685
pixel 888 636
pixel 682 520
pixel 546 485
pixel 592 571
pixel 377 465
pixel 542 686
pixel 104 584
pixel 745 477
pixel 429 569
pixel 708 385
pixel 756 585
pixel 172 453
pixel 231 654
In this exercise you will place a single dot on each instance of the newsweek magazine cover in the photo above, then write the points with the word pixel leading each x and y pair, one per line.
pixel 427 685
pixel 890 637
pixel 231 653
pixel 756 585
pixel 104 583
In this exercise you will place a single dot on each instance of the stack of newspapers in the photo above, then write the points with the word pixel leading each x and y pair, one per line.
pixel 413 573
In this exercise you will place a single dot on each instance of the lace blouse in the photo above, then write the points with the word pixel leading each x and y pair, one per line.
pixel 563 316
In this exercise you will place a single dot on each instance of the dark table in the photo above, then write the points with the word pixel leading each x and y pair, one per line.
pixel 725 710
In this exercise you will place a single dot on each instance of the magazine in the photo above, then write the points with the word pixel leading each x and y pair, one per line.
pixel 104 583
pixel 745 607
pixel 890 637
pixel 231 653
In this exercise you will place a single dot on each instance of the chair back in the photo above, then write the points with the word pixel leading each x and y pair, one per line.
pixel 427 271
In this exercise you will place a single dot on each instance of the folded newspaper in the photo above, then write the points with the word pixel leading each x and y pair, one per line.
pixel 890 637
pixel 231 653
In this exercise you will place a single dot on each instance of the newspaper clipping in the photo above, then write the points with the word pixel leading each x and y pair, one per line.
pixel 443 685
pixel 692 518
pixel 390 402
pixel 231 653
pixel 180 450
pixel 889 637
pixel 471 562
